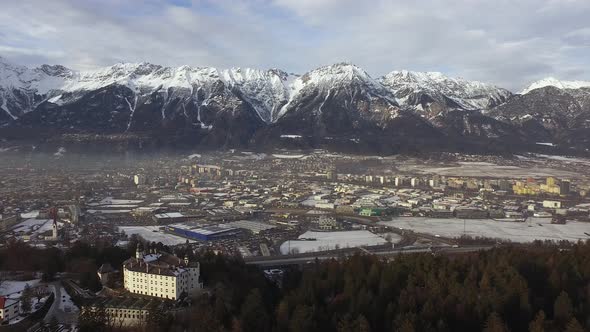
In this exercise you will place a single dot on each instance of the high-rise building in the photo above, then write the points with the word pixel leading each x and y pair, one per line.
pixel 331 175
pixel 75 213
pixel 139 179
pixel 435 181
pixel 504 185
pixel 564 187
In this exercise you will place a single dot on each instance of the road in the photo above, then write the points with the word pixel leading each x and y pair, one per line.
pixel 66 318
pixel 278 261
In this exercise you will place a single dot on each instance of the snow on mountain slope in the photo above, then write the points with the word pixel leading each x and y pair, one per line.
pixel 266 91
pixel 339 99
pixel 551 81
pixel 329 80
pixel 424 88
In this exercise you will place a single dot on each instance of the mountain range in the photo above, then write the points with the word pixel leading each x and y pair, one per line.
pixel 339 106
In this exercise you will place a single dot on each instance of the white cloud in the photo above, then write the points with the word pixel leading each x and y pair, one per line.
pixel 506 42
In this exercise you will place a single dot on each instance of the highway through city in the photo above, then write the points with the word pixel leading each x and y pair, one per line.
pixel 279 261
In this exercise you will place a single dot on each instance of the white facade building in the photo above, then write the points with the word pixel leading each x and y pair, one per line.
pixel 123 312
pixel 552 204
pixel 161 275
pixel 9 308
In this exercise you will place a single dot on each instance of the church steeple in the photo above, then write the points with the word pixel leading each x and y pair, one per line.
pixel 54 230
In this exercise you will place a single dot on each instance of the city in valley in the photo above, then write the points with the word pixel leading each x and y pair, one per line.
pixel 273 211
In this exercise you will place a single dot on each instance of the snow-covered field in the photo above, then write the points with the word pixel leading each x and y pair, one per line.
pixel 12 288
pixel 288 156
pixel 331 240
pixel 482 169
pixel 569 160
pixel 112 201
pixel 533 229
pixel 153 234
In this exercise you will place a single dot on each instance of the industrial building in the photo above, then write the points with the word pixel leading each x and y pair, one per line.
pixel 199 233
pixel 170 217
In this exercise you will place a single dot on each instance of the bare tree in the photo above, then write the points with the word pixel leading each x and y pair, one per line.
pixel 40 292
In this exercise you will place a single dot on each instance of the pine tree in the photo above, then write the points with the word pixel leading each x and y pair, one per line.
pixel 563 309
pixel 361 324
pixel 494 323
pixel 283 315
pixel 574 326
pixel 26 298
pixel 538 324
pixel 253 315
pixel 407 326
pixel 302 320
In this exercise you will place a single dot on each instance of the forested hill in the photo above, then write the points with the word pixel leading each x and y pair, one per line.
pixel 533 288
pixel 508 289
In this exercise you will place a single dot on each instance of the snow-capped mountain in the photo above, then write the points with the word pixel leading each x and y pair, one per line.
pixel 550 111
pixel 551 81
pixel 337 105
pixel 433 92
pixel 327 95
pixel 266 91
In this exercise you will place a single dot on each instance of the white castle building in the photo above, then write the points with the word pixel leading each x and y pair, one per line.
pixel 161 275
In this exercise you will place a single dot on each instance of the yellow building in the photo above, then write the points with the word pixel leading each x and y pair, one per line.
pixel 550 189
pixel 522 188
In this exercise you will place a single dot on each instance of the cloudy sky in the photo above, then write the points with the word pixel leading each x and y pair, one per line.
pixel 507 42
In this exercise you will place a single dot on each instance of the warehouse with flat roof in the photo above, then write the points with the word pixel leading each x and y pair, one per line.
pixel 198 233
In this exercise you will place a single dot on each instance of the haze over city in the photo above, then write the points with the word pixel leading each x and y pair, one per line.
pixel 296 166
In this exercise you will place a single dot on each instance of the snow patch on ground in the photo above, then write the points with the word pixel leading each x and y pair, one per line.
pixel 194 156
pixel 60 152
pixel 13 288
pixel 331 240
pixel 31 214
pixel 288 156
pixel 153 234
pixel 65 303
pixel 522 232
